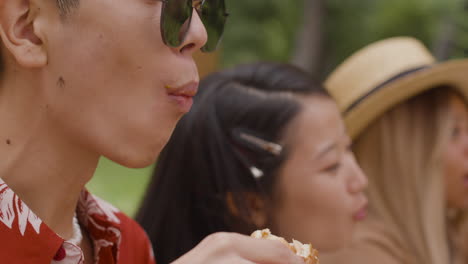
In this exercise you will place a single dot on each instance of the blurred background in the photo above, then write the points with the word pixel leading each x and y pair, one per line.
pixel 313 34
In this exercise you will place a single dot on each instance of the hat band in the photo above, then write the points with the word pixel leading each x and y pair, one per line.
pixel 385 83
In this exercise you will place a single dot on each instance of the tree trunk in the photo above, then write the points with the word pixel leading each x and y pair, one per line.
pixel 308 52
pixel 444 43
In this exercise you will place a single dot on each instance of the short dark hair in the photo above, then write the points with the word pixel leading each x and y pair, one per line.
pixel 204 160
pixel 66 6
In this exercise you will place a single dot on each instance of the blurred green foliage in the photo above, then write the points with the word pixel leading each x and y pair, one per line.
pixel 267 29
pixel 350 25
pixel 260 30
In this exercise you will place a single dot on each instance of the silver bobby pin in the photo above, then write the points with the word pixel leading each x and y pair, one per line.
pixel 257 174
pixel 271 147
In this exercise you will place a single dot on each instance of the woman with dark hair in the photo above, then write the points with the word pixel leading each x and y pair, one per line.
pixel 263 146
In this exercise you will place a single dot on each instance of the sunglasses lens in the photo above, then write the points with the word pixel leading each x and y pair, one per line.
pixel 175 21
pixel 213 15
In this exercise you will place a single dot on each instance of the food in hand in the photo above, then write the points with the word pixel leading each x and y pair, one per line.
pixel 306 251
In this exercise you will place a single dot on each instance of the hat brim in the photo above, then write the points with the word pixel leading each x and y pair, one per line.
pixel 453 73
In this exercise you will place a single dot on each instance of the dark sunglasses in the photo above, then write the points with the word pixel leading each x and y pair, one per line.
pixel 176 16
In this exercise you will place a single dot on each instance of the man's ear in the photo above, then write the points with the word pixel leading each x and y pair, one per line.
pixel 19 35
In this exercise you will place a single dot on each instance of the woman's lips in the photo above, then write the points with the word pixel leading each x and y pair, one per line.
pixel 465 181
pixel 183 95
pixel 184 102
pixel 361 214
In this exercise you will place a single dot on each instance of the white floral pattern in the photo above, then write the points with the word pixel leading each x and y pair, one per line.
pixel 9 201
pixel 93 205
pixel 74 255
pixel 101 220
pixel 104 208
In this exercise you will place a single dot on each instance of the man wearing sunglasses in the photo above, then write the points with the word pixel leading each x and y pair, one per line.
pixel 81 79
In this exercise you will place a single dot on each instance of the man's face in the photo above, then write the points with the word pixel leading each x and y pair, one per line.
pixel 111 81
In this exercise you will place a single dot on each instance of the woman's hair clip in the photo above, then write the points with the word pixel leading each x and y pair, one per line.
pixel 271 147
pixel 257 173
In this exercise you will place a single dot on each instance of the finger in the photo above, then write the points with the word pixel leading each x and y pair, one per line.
pixel 263 251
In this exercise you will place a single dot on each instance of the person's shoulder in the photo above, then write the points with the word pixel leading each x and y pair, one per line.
pixel 131 228
pixel 360 253
pixel 135 246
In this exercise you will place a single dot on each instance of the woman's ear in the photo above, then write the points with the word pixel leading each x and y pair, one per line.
pixel 256 206
pixel 20 34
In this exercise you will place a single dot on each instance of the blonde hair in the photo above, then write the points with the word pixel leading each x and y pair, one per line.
pixel 401 153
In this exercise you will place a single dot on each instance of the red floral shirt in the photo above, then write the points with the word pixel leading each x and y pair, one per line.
pixel 25 239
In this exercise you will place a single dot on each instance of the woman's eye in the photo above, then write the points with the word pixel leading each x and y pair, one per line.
pixel 333 168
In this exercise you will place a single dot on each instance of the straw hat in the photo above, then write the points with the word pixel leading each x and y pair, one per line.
pixel 386 73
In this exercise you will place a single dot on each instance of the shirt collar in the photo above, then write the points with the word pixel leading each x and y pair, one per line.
pixel 27 239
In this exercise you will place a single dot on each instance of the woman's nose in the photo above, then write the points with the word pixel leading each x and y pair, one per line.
pixel 359 180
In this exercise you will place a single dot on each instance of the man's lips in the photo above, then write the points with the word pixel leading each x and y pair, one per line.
pixel 183 95
pixel 188 90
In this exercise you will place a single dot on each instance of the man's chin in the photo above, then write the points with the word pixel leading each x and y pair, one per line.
pixel 136 159
pixel 140 164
